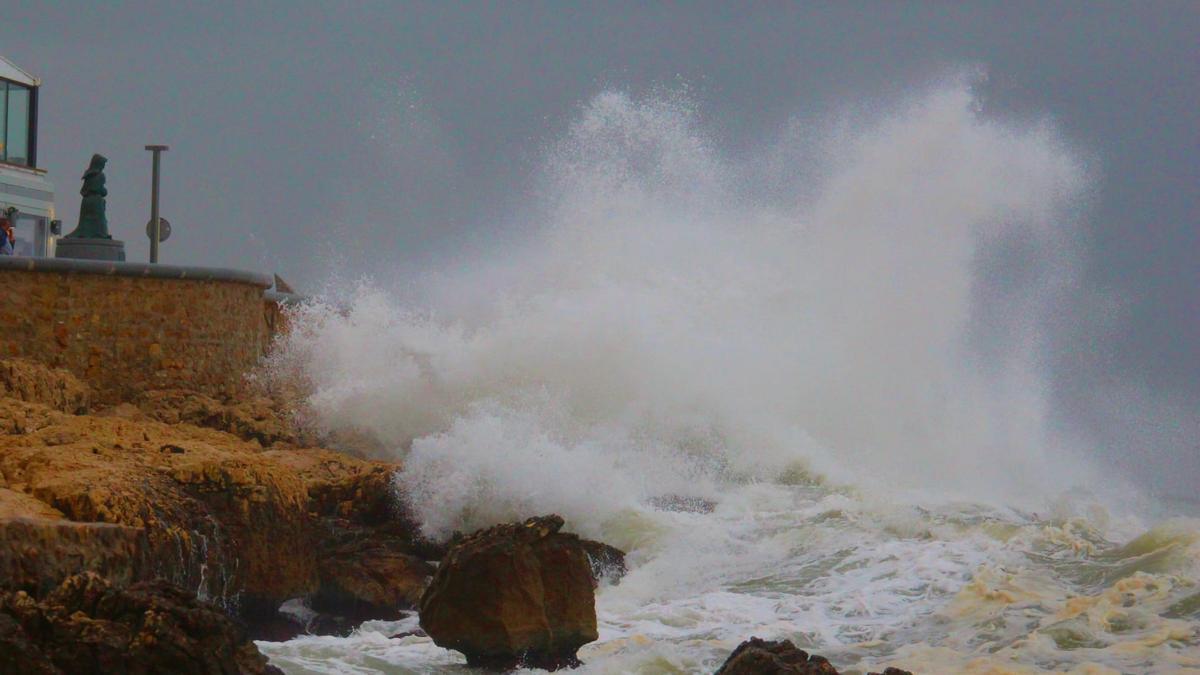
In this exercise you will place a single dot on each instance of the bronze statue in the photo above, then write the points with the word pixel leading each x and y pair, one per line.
pixel 93 224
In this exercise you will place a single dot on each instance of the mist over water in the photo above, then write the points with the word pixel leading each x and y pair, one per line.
pixel 837 340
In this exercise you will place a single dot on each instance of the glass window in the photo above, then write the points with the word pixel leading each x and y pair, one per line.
pixel 16 149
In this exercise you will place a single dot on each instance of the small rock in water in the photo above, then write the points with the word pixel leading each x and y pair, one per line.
pixel 608 562
pixel 514 595
pixel 682 504
pixel 780 657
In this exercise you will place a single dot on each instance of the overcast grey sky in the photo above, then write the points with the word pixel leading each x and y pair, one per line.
pixel 391 131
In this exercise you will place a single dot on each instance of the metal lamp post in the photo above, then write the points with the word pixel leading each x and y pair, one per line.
pixel 155 221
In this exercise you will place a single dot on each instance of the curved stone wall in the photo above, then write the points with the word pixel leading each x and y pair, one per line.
pixel 125 328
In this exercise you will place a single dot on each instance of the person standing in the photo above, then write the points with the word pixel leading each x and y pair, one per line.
pixel 7 237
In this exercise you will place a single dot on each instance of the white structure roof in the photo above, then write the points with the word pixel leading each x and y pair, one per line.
pixel 10 71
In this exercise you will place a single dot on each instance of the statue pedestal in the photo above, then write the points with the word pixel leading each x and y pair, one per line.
pixel 84 248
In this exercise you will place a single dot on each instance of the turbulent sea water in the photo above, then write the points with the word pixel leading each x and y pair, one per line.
pixel 835 339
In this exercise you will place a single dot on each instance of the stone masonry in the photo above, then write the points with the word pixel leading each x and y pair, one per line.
pixel 128 334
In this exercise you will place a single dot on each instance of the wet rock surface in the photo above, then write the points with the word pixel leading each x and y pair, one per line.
pixel 513 595
pixel 608 562
pixel 89 627
pixel 36 554
pixel 369 575
pixel 780 657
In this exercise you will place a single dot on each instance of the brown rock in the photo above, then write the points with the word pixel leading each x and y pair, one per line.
pixel 608 562
pixel 516 594
pixel 250 418
pixel 368 575
pixel 172 488
pixel 20 505
pixel 761 657
pixel 18 654
pixel 36 554
pixel 88 627
pixel 35 383
pixel 236 521
pixel 343 487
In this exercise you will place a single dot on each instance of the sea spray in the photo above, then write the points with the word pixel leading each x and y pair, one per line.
pixel 836 345
pixel 668 326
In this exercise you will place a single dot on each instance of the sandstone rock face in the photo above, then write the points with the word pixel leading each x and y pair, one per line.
pixel 761 657
pixel 517 594
pixel 88 627
pixel 180 487
pixel 133 498
pixel 235 524
pixel 249 418
pixel 35 383
pixel 36 554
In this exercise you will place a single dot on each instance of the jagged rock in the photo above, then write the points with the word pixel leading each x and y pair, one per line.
pixel 780 657
pixel 19 417
pixel 367 575
pixel 760 657
pixel 343 487
pixel 515 594
pixel 20 505
pixel 252 418
pixel 18 654
pixel 608 562
pixel 33 382
pixel 88 627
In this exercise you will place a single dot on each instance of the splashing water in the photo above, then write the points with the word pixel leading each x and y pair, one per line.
pixel 804 338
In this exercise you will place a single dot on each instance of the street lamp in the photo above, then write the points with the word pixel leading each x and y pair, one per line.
pixel 155 221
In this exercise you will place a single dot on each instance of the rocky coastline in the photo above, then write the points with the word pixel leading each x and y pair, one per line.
pixel 164 533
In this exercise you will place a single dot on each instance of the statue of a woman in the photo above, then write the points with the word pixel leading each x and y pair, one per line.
pixel 93 224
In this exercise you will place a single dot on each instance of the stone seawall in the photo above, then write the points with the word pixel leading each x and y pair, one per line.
pixel 125 328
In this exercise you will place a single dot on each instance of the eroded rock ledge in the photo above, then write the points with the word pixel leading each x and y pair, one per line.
pixel 222 498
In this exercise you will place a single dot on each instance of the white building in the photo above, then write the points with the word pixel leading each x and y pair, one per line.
pixel 24 191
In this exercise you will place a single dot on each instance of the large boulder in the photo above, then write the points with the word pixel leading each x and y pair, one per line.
pixel 88 627
pixel 514 595
pixel 780 657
